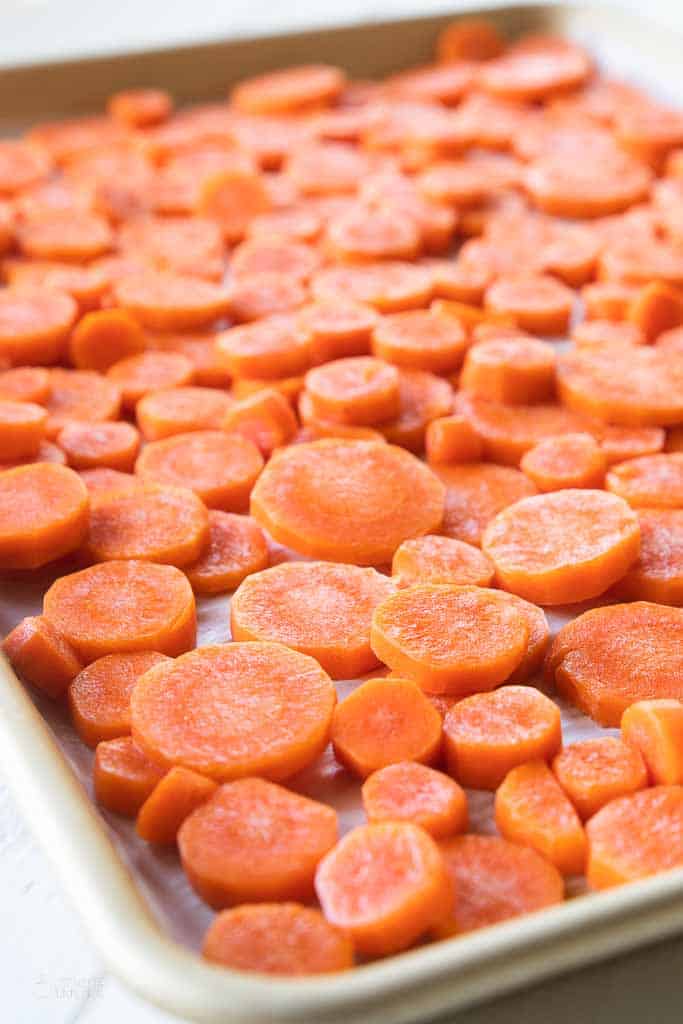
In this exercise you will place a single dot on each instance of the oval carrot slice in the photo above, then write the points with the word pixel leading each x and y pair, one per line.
pixel 575 188
pixel 597 333
pixel 140 108
pixel 25 384
pixel 22 429
pixel 469 39
pixel 475 493
pixel 655 309
pixel 173 411
pixel 237 548
pixel 385 885
pixel 338 328
pixel 257 296
pixel 102 338
pixel 594 772
pixel 123 777
pixel 488 734
pixel 658 574
pixel 538 303
pixel 177 795
pixel 292 695
pixel 111 445
pixel 607 300
pixel 119 607
pixel 621 443
pixel 303 494
pixel 652 481
pixel 452 439
pixel 34 325
pixel 265 418
pixel 517 370
pixel 296 223
pixel 277 939
pixel 319 608
pixel 420 340
pixel 563 547
pixel 588 657
pixel 360 390
pixel 655 729
pixel 536 68
pixel 269 348
pixel 43 514
pixel 565 461
pixel 410 791
pixel 364 234
pixel 164 301
pixel 41 656
pixel 315 428
pixel 21 165
pixel 199 348
pixel 290 90
pixel 233 197
pixel 327 169
pixel 539 638
pixel 389 286
pixel 72 235
pixel 434 559
pixel 273 255
pixel 188 246
pixel 423 397
pixel 81 395
pixel 99 481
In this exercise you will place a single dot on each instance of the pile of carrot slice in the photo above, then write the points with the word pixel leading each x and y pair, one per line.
pixel 307 346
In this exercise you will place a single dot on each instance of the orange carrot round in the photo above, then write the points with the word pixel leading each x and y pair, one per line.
pixel 80 395
pixel 338 328
pixel 475 493
pixel 173 799
pixel 655 729
pixel 138 375
pixel 140 108
pixel 178 410
pixel 420 340
pixel 164 301
pixel 22 429
pixel 452 439
pixel 233 198
pixel 515 370
pixel 265 418
pixel 410 791
pixel 360 390
pixel 651 481
pixel 237 548
pixel 434 559
pixel 123 777
pixel 423 398
pixel 25 384
pixel 34 325
pixel 41 656
pixel 111 445
pixel 565 461
pixel 43 514
pixel 658 574
pixel 593 772
pixel 538 303
pixel 270 348
pixel 102 338
pixel 76 236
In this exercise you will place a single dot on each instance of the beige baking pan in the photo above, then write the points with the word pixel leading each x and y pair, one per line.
pixel 145 931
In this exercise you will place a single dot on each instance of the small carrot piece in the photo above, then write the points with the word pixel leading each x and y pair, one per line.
pixel 41 656
pixel 73 235
pixel 469 39
pixel 110 445
pixel 410 791
pixel 420 340
pixel 123 777
pixel 276 256
pixel 265 418
pixel 434 559
pixel 271 348
pixel 43 514
pixel 173 799
pixel 516 370
pixel 565 461
pixel 258 296
pixel 103 338
pixel 359 390
pixel 389 286
pixel 452 439
pixel 178 410
pixel 475 493
pixel 593 772
pixel 658 574
pixel 35 325
pixel 237 548
pixel 655 729
pixel 290 90
pixel 651 481
pixel 608 300
pixel 138 375
pixel 22 429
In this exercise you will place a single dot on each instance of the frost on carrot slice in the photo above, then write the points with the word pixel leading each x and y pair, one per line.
pixel 651 481
pixel 290 90
pixel 140 108
pixel 452 439
pixel 319 608
pixel 237 548
pixel 655 729
pixel 74 235
pixel 385 885
pixel 420 340
pixel 271 348
pixel 636 836
pixel 389 286
pixel 274 255
pixel 109 445
pixel 469 39
pixel 138 375
pixel 486 640
pixel 338 328
pixel 621 443
pixel 99 481
pixel 173 799
pixel 516 370
pixel 123 776
pixel 22 429
pixel 539 638
pixel 599 333
pixel 99 696
pixel 258 296
pixel 41 656
pixel 423 397
pixel 43 514
pixel 254 841
pixel 25 384
pixel 265 418
pixel 434 559
pixel 365 233
pixel 165 301
pixel 538 303
pixel 531 809
pixel 359 390
pixel 35 325
pixel 565 461
pixel 178 410
pixel 475 493
pixel 199 348
pixel 488 734
pixel 410 791
pixel 104 337
pixel 658 574
pixel 277 939
pixel 593 772
pixel 81 395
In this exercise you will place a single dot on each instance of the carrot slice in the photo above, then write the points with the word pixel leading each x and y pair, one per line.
pixel 597 333
pixel 469 39
pixel 237 548
pixel 652 481
pixel 532 809
pixel 364 233
pixel 273 347
pixel 173 411
pixel 594 772
pixel 488 734
pixel 655 729
pixel 277 939
pixel 41 656
pixel 655 309
pixel 289 387
pixel 21 165
pixel 164 301
pixel 43 514
pixel 295 223
pixel 138 375
pixel 389 286
pixel 274 256
pixel 538 303
pixel 123 777
pixel 338 328
pixel 475 493
pixel 536 68
pixel 621 443
pixel 290 90
pixel 112 445
pixel 99 481
pixel 233 198
pixel 99 695
pixel 420 340
pixel 495 880
pixel 69 236
pixel 568 460
pixel 318 608
pixel 47 452
pixel 636 836
pixel 359 390
pixel 304 492
pixel 315 428
pixel 607 300
pixel 385 885
pixel 539 638
pixel 257 296
pixel 102 338
pixel 423 397
pixel 434 559
pixel 452 439
pixel 25 384
pixel 123 606
pixel 293 697
pixel 81 395
pixel 574 188
pixel 22 429
pixel 140 108
pixel 563 547
pixel 326 169
pixel 517 370
pixel 410 791
pixel 658 574
pixel 177 795
pixel 34 325
pixel 199 349
pixel 588 657
pixel 265 418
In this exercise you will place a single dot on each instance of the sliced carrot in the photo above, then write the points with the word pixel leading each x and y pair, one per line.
pixel 593 772
pixel 62 140
pixel 47 452
pixel 658 574
pixel 25 384
pixel 164 301
pixel 103 338
pixel 650 132
pixel 389 286
pixel 655 309
pixel 326 169
pixel 138 375
pixel 290 90
pixel 410 791
pixel 43 514
pixel 607 300
pixel 571 188
pixel 539 639
pixel 303 495
pixel 423 397
pixel 99 696
pixel 475 493
pixel 289 387
pixel 474 318
pixel 99 481
pixel 609 658
pixel 41 656
pixel 359 390
pixel 272 255
pixel 265 418
pixel 295 223
pixel 237 548
pixel 22 429
pixel 123 777
pixel 81 395
pixel 70 236
pixel 338 328
pixel 203 696
pixel 437 83
pixel 257 296
pixel 452 439
pixel 434 559
pixel 277 939
pixel 140 108
pixel 319 608
pixel 636 836
pixel 21 165
pixel 469 39
pixel 119 607
pixel 655 729
pixel 563 547
pixel 460 281
pixel 315 428
pixel 177 795
pixel 365 233
pixel 199 348
pixel 538 303
pixel 567 460
pixel 420 340
pixel 385 885
pixel 111 445
pixel 621 443
pixel 233 198
pixel 537 67
pixel 652 481
pixel 181 410
pixel 517 370
pixel 34 325
pixel 273 347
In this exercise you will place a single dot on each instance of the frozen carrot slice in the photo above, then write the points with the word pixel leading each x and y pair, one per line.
pixel 338 328
pixel 658 574
pixel 488 734
pixel 172 411
pixel 563 547
pixel 621 443
pixel 538 303
pixel 41 656
pixel 495 880
pixel 187 246
pixel 138 375
pixel 63 140
pixel 469 39
pixel 574 188
pixel 22 429
pixel 475 493
pixel 539 638
pixel 636 836
pixel 103 338
pixel 123 606
pixel 437 83
pixel 517 370
pixel 423 397
pixel 389 286
pixel 112 445
pixel 265 418
pixel 199 348
pixel 593 772
pixel 25 384
pixel 434 559
pixel 81 395
pixel 649 132
pixel 359 390
pixel 655 729
pixel 655 309
pixel 473 318
pixel 99 481
pixel 233 198
pixel 454 663
pixel 652 481
pixel 21 165
pixel 277 939
pixel 303 495
pixel 532 809
pixel 385 885
pixel 289 90
pixel 255 841
pixel 410 791
pixel 607 300
pixel 164 301
pixel 452 439
pixel 273 255
pixel 177 795
pixel 295 223
pixel 47 452
pixel 34 325
pixel 567 460
pixel 315 427
pixel 597 333
pixel 365 233
pixel 220 468
pixel 237 547
pixel 609 658
pixel 257 296
pixel 65 236
pixel 326 169
pixel 420 340
pixel 140 108
pixel 289 387
pixel 273 347
pixel 99 696
pixel 43 514
pixel 460 281
pixel 292 696
pixel 536 68
pixel 123 776
pixel 319 608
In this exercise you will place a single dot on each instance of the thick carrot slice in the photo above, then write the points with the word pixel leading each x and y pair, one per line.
pixel 658 574
pixel 608 300
pixel 277 939
pixel 270 348
pixel 517 370
pixel 190 246
pixel 81 395
pixel 192 713
pixel 318 608
pixel 385 885
pixel 315 428
pixel 25 384
pixel 621 443
pixel 460 281
pixel 289 387
pixel 123 777
pixel 70 236
pixel 434 559
pixel 532 809
pixel 290 90
pixel 359 390
pixel 452 439
pixel 655 309
pixel 423 397
pixel 22 429
pixel 140 108
pixel 43 514
pixel 121 607
pixel 581 189
pixel 389 286
pixel 469 39
pixel 567 460
pixel 21 165
pixel 257 296
pixel 536 68
pixel 538 303
pixel 177 795
pixel 563 547
pixel 488 734
pixel 451 664
pixel 338 328
pixel 475 493
pixel 636 836
pixel 539 639
pixel 265 418
pixel 272 255
pixel 47 452
pixel 63 140
pixel 233 198
pixel 172 411
pixel 99 696
pixel 420 340
pixel 598 333
pixel 304 492
pixel 170 302
pixel 34 325
pixel 41 656
pixel 199 348
pixel 410 791
pixel 220 468
pixel 495 880
pixel 88 445
pixel 152 523
pixel 364 233
pixel 655 729
pixel 237 548
pixel 609 658
pixel 593 772
pixel 652 481
pixel 295 223
pixel 99 481
pixel 649 133
pixel 327 169
pixel 103 338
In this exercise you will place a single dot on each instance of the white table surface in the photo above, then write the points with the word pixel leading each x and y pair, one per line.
pixel 49 971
